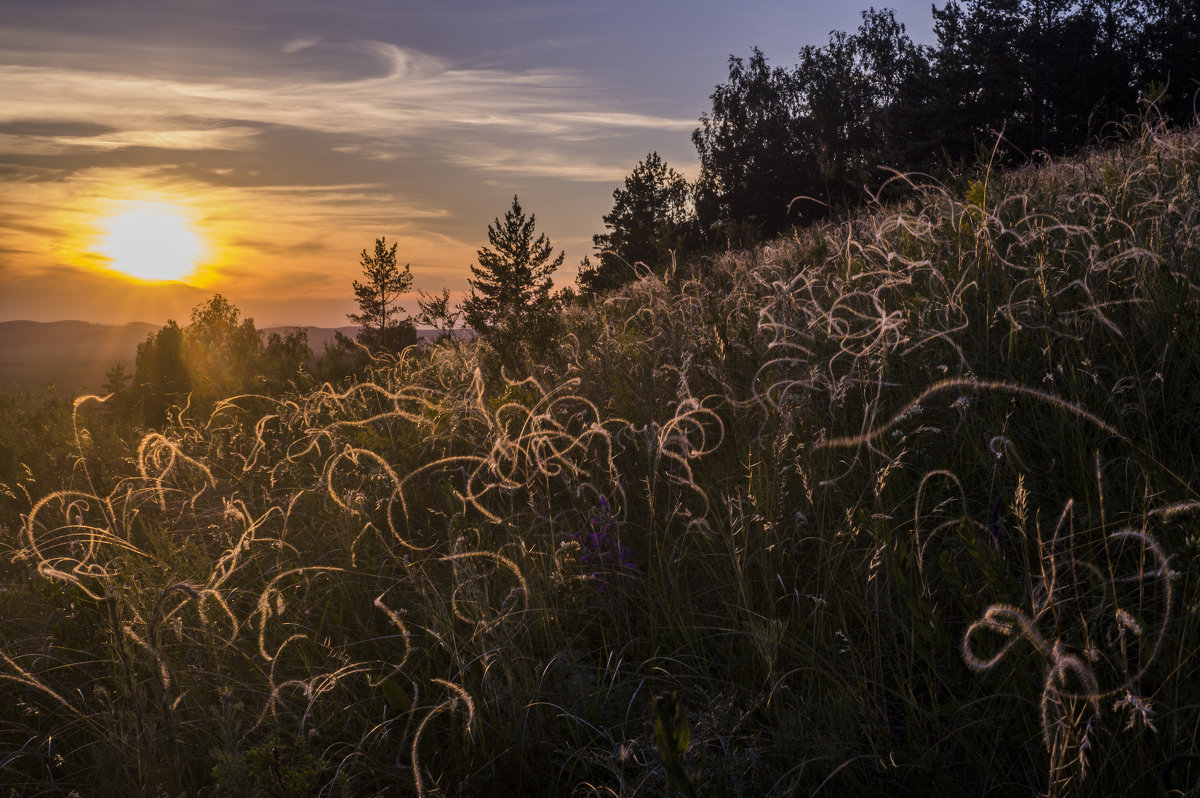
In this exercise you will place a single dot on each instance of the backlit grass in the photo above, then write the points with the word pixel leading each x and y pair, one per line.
pixel 901 505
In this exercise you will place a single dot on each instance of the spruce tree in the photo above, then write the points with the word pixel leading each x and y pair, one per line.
pixel 510 287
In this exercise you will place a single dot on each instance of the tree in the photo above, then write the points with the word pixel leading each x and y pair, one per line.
pixel 285 356
pixel 436 314
pixel 116 388
pixel 342 360
pixel 852 92
pixel 1169 48
pixel 223 350
pixel 1048 73
pixel 751 161
pixel 116 379
pixel 510 290
pixel 649 219
pixel 161 376
pixel 382 327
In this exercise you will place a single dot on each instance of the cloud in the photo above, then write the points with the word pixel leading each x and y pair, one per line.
pixel 300 44
pixel 225 138
pixel 496 158
pixel 408 98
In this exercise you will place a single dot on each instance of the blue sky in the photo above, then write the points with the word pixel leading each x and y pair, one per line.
pixel 291 134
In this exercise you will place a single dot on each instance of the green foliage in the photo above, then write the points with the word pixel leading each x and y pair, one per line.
pixel 285 358
pixel 341 360
pixel 218 354
pixel 672 737
pixel 162 377
pixel 510 297
pixel 436 313
pixel 221 349
pixel 274 769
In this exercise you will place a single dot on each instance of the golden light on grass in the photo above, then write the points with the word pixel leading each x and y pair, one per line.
pixel 151 241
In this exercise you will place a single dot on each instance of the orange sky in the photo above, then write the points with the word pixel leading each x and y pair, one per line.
pixel 289 136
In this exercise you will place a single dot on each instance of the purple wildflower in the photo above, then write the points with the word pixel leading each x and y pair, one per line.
pixel 600 544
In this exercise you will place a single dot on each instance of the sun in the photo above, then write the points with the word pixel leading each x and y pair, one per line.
pixel 151 242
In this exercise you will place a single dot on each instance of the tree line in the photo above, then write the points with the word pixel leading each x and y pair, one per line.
pixel 784 146
pixel 1005 81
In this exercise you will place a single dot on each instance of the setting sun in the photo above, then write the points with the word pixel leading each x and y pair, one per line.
pixel 151 242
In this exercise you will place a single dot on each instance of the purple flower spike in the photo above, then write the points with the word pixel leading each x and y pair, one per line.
pixel 600 544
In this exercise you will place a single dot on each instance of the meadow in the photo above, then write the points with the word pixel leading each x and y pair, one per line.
pixel 902 504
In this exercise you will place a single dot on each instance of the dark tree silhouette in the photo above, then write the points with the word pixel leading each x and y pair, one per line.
pixel 851 92
pixel 1049 75
pixel 437 314
pixel 751 161
pixel 380 320
pixel 1170 49
pixel 510 289
pixel 780 146
pixel 651 216
pixel 116 379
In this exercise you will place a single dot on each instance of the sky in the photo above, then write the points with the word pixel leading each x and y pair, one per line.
pixel 262 145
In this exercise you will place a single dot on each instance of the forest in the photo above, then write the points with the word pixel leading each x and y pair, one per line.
pixel 865 464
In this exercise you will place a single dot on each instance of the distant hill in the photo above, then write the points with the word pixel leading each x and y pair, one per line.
pixel 74 355
pixel 317 336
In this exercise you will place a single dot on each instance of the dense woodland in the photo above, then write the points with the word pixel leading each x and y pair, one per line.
pixel 1005 82
pixel 865 465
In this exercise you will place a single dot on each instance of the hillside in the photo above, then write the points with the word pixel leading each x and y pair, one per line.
pixel 903 505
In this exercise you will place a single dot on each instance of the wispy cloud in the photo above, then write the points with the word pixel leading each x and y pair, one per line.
pixel 300 44
pixel 499 158
pixel 414 96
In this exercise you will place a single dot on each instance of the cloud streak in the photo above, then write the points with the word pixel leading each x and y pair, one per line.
pixel 414 97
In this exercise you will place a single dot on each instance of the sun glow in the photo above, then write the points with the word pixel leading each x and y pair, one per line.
pixel 151 242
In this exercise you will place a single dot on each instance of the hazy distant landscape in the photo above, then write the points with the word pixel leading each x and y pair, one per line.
pixel 75 355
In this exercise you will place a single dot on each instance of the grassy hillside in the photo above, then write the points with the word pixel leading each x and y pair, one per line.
pixel 905 505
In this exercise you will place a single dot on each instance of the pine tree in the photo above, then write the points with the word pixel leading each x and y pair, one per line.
pixel 650 217
pixel 382 326
pixel 510 290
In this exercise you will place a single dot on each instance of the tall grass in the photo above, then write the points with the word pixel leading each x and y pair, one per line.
pixel 904 504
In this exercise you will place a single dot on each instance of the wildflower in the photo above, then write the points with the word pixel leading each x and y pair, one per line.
pixel 600 544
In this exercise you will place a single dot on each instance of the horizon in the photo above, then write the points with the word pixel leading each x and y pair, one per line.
pixel 277 141
pixel 142 322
